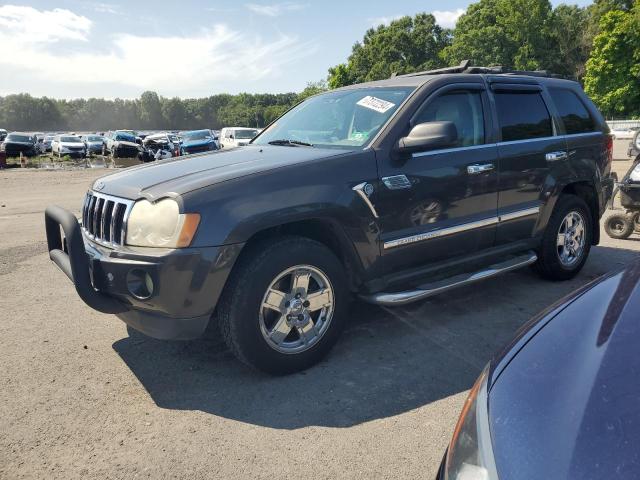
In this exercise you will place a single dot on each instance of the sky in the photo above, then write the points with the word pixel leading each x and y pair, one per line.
pixel 80 48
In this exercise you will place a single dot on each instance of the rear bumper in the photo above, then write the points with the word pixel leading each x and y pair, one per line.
pixel 186 283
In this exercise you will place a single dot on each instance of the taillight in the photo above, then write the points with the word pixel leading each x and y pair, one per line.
pixel 609 145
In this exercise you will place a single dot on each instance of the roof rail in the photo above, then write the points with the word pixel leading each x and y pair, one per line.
pixel 465 67
pixel 458 69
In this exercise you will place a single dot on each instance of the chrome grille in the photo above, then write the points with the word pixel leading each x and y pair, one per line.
pixel 104 218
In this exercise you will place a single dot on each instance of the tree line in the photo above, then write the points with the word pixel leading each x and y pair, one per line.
pixel 599 45
pixel 150 111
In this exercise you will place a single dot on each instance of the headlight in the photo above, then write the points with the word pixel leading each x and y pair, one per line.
pixel 470 454
pixel 160 224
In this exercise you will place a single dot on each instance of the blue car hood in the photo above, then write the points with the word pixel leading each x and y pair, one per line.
pixel 567 405
pixel 196 143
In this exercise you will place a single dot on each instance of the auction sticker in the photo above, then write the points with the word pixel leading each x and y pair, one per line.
pixel 376 104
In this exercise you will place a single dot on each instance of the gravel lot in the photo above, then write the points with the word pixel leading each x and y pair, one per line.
pixel 80 396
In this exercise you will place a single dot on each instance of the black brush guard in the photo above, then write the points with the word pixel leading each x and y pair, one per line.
pixel 73 260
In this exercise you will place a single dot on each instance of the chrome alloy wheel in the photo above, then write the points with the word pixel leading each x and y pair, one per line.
pixel 571 239
pixel 296 309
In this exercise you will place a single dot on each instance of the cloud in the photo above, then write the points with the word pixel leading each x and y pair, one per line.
pixel 46 26
pixel 135 63
pixel 377 21
pixel 448 18
pixel 276 9
pixel 105 8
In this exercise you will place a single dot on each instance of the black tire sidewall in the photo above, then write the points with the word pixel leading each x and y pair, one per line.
pixel 254 277
pixel 549 263
pixel 628 222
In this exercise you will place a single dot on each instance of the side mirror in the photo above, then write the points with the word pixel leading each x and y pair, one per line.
pixel 231 137
pixel 429 136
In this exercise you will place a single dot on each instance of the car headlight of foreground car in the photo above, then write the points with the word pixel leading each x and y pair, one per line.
pixel 470 454
pixel 160 224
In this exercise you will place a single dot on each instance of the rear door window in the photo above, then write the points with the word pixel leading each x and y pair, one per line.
pixel 522 115
pixel 574 114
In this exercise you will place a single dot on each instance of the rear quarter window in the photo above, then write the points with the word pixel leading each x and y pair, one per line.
pixel 522 115
pixel 574 114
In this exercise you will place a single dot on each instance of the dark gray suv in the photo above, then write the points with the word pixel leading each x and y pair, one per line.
pixel 391 191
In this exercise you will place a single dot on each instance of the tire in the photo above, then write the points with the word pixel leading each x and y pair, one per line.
pixel 619 225
pixel 248 327
pixel 551 263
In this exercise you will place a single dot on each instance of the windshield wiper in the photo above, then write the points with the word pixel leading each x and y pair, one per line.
pixel 291 143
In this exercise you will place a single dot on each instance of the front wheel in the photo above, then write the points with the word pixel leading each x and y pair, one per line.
pixel 566 241
pixel 619 225
pixel 284 305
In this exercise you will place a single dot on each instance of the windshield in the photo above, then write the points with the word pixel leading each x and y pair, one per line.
pixel 12 137
pixel 70 139
pixel 123 137
pixel 344 119
pixel 94 138
pixel 245 134
pixel 199 135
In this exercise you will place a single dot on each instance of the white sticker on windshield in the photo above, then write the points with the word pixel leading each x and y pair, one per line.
pixel 376 104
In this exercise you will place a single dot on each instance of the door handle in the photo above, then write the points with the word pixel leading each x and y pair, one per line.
pixel 555 156
pixel 475 169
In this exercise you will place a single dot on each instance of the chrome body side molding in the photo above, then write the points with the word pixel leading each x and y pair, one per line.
pixel 430 289
pixel 443 232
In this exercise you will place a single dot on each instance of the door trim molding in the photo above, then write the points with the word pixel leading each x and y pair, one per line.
pixel 463 227
pixel 441 232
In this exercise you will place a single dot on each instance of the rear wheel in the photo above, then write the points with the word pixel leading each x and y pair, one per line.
pixel 567 240
pixel 284 305
pixel 619 225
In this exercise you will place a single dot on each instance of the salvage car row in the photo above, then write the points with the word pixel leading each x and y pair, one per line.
pixel 146 146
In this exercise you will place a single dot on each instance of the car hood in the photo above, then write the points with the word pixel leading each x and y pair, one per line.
pixel 567 404
pixel 71 144
pixel 125 143
pixel 179 175
pixel 13 142
pixel 196 143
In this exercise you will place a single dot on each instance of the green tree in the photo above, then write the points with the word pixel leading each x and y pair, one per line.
pixel 512 33
pixel 570 41
pixel 406 45
pixel 612 78
pixel 150 110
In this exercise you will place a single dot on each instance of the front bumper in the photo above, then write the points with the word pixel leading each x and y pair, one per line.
pixel 186 282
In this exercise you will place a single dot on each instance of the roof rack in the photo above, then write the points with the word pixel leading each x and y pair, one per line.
pixel 465 67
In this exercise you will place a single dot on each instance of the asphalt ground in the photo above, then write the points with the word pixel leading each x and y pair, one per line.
pixel 83 397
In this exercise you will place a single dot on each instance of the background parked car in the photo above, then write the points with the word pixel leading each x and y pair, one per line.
pixel 157 147
pixel 46 143
pixel 70 145
pixel 16 143
pixel 93 143
pixel 231 137
pixel 623 133
pixel 121 144
pixel 562 400
pixel 3 134
pixel 196 141
pixel 634 146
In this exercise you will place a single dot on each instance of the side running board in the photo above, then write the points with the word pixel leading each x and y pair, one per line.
pixel 430 289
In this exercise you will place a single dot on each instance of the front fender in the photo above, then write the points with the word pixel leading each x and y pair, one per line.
pixel 236 210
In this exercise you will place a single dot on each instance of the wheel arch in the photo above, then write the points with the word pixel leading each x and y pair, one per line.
pixel 325 231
